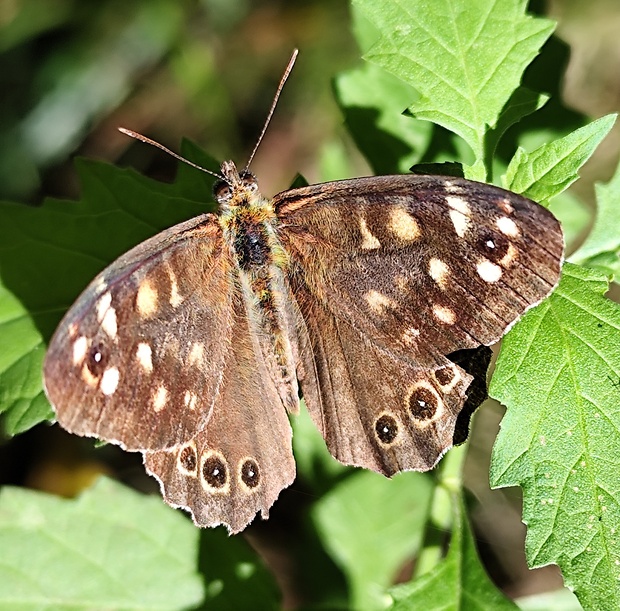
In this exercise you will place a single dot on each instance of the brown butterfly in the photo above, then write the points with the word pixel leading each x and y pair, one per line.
pixel 374 296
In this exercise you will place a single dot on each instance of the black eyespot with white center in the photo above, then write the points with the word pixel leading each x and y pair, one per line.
pixel 445 375
pixel 493 246
pixel 187 459
pixel 97 358
pixel 423 403
pixel 250 473
pixel 386 429
pixel 215 472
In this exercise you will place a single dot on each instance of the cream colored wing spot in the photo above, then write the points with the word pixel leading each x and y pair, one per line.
pixel 187 459
pixel 102 305
pixel 176 298
pixel 460 213
pixel 401 282
pixel 160 398
pixel 488 271
pixel 410 336
pixel 80 347
pixel 423 403
pixel 511 254
pixel 109 325
pixel 439 272
pixel 507 227
pixel 147 299
pixel 369 241
pixel 73 329
pixel 109 381
pixel 106 315
pixel 214 472
pixel 378 302
pixel 144 355
pixel 460 222
pixel 444 314
pixel 87 377
pixel 450 187
pixel 505 205
pixel 190 399
pixel 196 355
pixel 403 225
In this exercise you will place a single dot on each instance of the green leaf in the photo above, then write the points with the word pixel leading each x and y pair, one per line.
pixel 459 582
pixel 560 600
pixel 372 102
pixel 314 462
pixel 465 57
pixel 370 525
pixel 111 548
pixel 559 376
pixel 552 168
pixel 49 254
pixel 604 238
pixel 21 359
pixel 234 574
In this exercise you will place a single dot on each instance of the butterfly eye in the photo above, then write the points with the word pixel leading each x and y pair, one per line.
pixel 222 192
pixel 249 181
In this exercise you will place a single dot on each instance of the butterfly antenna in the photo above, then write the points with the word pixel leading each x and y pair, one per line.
pixel 146 140
pixel 289 67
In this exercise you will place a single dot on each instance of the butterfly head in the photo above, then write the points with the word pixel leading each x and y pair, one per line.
pixel 236 189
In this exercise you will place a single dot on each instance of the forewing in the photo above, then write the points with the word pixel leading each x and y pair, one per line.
pixel 138 359
pixel 238 465
pixel 422 265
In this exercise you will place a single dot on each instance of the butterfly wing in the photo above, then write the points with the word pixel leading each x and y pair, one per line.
pixel 152 325
pixel 424 265
pixel 392 276
pixel 243 458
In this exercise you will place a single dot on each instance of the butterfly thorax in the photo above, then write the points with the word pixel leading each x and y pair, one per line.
pixel 248 222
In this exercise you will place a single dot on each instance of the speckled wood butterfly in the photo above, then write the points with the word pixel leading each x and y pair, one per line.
pixel 375 296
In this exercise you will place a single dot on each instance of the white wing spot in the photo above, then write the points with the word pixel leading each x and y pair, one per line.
pixel 144 354
pixel 459 214
pixel 450 187
pixel 109 381
pixel 488 271
pixel 378 302
pixel 80 346
pixel 196 354
pixel 458 204
pixel 175 297
pixel 160 398
pixel 505 205
pixel 190 399
pixel 410 336
pixel 444 314
pixel 460 222
pixel 439 271
pixel 403 225
pixel 507 226
pixel 103 305
pixel 369 241
pixel 146 299
pixel 109 323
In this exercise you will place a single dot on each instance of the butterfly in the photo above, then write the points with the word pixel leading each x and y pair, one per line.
pixel 375 297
